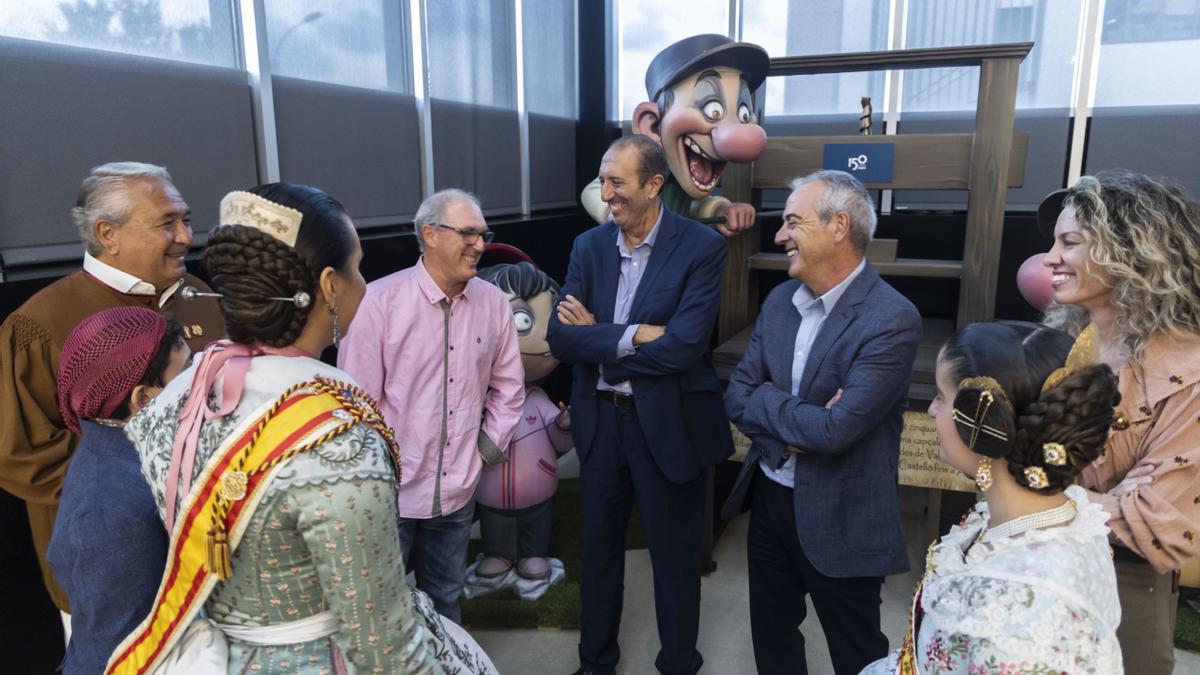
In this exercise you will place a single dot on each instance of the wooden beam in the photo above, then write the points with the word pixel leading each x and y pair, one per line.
pixel 990 163
pixel 900 267
pixel 898 59
pixel 739 290
pixel 922 161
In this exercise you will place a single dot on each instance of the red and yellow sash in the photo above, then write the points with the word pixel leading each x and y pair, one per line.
pixel 218 509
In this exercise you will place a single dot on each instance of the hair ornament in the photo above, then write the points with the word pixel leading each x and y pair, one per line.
pixel 989 385
pixel 1035 477
pixel 251 210
pixel 990 394
pixel 1085 352
pixel 1055 454
pixel 300 299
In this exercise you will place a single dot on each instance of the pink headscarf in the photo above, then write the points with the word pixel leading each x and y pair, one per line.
pixel 103 359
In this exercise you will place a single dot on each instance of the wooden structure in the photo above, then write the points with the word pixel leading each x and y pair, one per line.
pixel 985 163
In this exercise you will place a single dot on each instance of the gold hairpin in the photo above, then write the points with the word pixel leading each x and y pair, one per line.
pixel 1055 454
pixel 960 416
pixel 1035 477
pixel 988 384
pixel 1085 352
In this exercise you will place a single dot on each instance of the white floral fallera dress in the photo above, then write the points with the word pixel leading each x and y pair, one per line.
pixel 324 537
pixel 1042 602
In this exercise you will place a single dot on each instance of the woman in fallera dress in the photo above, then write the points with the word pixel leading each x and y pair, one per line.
pixel 276 476
pixel 1025 584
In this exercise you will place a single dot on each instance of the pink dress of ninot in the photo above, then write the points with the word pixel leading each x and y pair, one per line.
pixel 530 476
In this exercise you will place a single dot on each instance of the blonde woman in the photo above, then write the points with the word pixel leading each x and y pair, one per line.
pixel 1126 259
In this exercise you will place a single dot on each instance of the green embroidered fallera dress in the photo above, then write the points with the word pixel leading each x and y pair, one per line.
pixel 324 538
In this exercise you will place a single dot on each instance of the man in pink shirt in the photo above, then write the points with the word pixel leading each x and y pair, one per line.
pixel 437 348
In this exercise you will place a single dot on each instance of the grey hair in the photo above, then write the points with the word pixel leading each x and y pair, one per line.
pixel 844 192
pixel 103 196
pixel 433 210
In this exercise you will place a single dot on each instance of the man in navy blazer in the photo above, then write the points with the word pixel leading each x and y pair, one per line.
pixel 820 392
pixel 638 309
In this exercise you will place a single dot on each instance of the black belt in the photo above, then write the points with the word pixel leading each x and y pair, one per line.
pixel 1126 555
pixel 616 398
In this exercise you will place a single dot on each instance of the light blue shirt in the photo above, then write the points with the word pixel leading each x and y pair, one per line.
pixel 813 312
pixel 633 265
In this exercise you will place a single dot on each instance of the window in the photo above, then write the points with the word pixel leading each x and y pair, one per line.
pixel 352 42
pixel 646 28
pixel 471 54
pixel 1046 74
pixel 549 45
pixel 1150 21
pixel 819 28
pixel 1148 52
pixel 183 30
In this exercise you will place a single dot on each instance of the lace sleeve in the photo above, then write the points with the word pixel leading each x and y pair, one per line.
pixel 990 625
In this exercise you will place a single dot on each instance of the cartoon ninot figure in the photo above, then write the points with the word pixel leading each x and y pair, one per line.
pixel 514 498
pixel 701 111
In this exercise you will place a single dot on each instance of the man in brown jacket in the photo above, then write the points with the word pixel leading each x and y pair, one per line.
pixel 136 231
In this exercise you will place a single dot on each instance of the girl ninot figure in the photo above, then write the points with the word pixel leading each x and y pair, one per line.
pixel 515 498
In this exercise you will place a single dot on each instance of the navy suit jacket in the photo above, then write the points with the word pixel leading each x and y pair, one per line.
pixel 847 516
pixel 675 388
pixel 109 546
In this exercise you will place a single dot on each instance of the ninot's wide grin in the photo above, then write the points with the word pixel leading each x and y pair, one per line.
pixel 704 169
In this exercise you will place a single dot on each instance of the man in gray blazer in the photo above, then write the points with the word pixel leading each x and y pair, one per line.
pixel 820 392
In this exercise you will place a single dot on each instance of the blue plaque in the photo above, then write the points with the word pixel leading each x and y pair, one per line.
pixel 868 162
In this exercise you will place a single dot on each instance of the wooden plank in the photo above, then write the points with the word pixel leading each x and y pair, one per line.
pixel 901 267
pixel 901 59
pixel 739 289
pixel 990 155
pixel 922 161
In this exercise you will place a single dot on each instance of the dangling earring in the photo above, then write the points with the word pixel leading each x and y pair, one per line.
pixel 337 331
pixel 983 476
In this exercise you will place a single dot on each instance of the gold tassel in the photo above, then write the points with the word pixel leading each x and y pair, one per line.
pixel 216 559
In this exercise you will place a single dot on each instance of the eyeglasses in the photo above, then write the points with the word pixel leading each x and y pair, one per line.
pixel 468 235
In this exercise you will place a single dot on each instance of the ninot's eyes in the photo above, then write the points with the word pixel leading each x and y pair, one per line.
pixel 714 110
pixel 523 321
pixel 744 115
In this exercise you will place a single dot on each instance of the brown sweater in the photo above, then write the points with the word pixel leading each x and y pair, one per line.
pixel 35 446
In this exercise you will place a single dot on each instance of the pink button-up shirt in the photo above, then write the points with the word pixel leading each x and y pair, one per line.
pixel 448 377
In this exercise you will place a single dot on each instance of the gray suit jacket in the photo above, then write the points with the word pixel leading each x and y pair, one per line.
pixel 847 516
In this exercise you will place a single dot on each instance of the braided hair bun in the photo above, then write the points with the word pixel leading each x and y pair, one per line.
pixel 1001 411
pixel 1076 415
pixel 248 266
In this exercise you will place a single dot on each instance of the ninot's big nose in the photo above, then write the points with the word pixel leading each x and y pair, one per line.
pixel 739 143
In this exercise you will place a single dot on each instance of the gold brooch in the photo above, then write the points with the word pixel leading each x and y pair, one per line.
pixel 233 486
pixel 1054 454
pixel 1035 477
pixel 1120 421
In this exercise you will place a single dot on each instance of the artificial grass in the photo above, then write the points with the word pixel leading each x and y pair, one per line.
pixel 1187 628
pixel 559 607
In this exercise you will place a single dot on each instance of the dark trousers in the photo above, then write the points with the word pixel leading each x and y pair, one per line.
pixel 618 469
pixel 518 534
pixel 1149 601
pixel 780 578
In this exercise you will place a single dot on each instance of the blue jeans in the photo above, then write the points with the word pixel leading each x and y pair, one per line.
pixel 435 549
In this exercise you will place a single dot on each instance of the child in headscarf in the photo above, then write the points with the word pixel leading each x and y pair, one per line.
pixel 109 546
